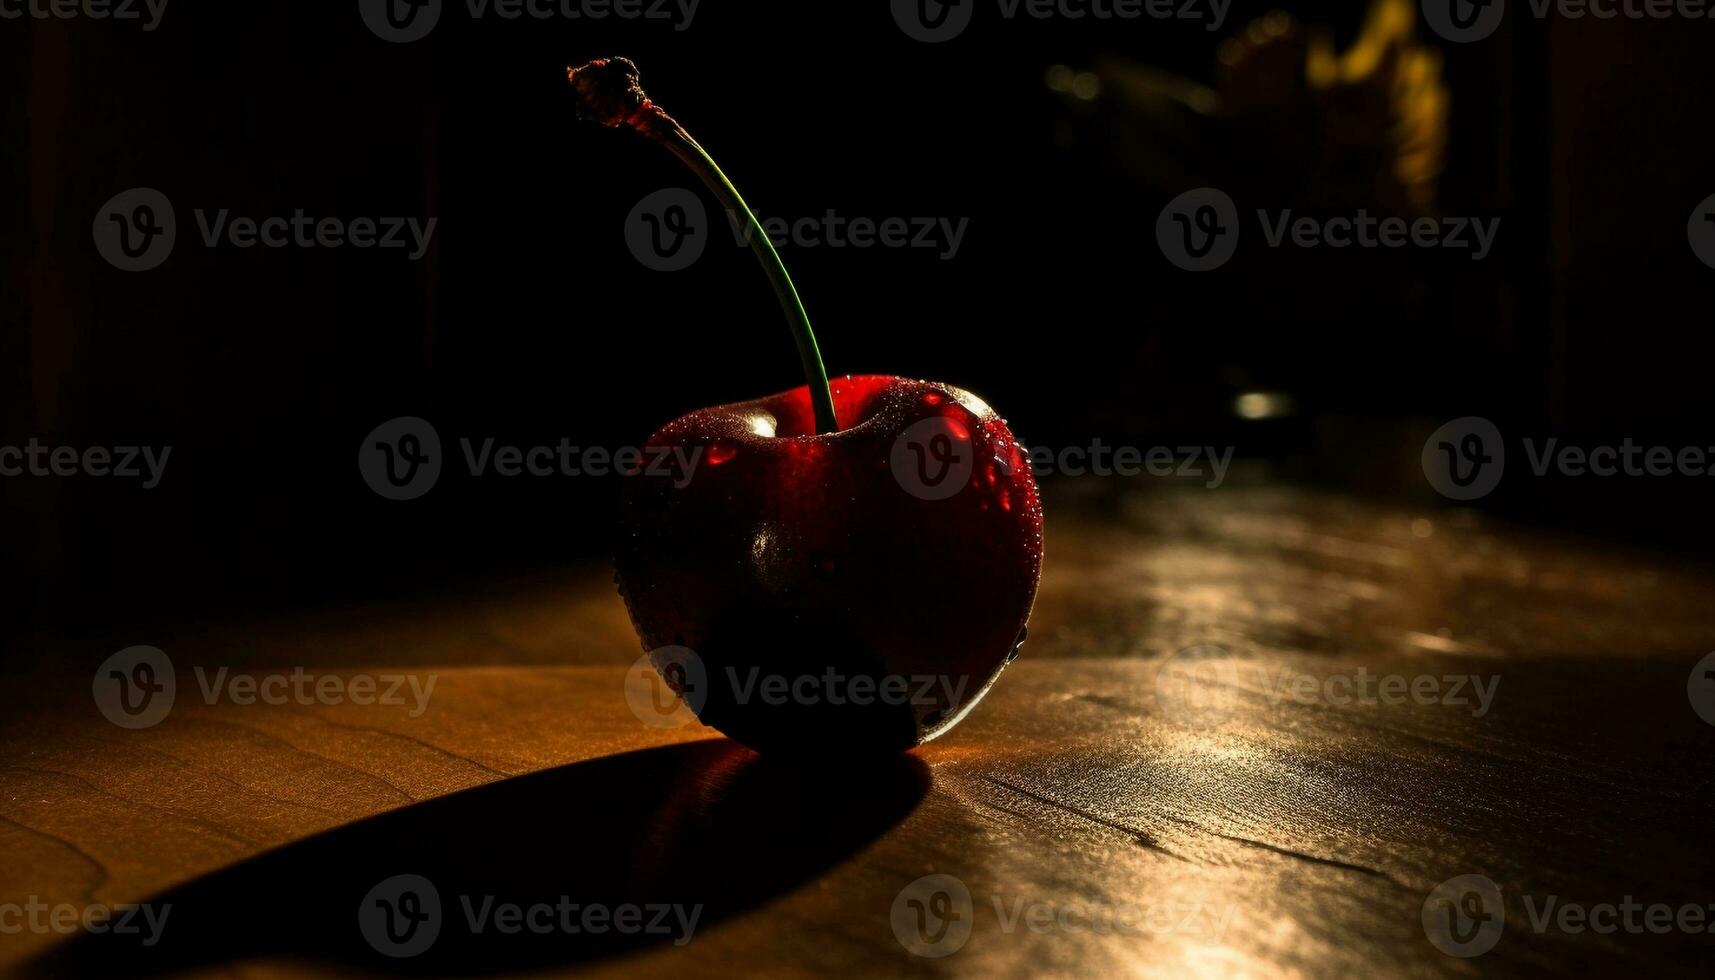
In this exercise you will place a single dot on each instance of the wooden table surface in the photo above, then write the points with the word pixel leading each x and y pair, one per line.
pixel 1180 775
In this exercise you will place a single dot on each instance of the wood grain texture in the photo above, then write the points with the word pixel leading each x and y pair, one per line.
pixel 1236 802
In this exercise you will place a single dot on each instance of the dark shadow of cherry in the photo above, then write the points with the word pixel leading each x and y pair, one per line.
pixel 706 826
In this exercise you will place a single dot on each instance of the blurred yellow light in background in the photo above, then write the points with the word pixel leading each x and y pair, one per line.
pixel 1262 405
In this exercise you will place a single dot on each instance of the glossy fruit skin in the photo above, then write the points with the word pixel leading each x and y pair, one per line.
pixel 789 554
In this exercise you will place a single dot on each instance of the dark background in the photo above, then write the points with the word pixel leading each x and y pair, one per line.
pixel 529 320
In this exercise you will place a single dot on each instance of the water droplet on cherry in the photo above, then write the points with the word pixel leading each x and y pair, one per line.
pixel 1018 644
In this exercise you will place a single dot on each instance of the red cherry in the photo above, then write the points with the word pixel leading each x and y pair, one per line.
pixel 897 557
pixel 846 565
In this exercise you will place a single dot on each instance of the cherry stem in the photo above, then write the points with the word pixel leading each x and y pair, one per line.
pixel 810 355
pixel 609 92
